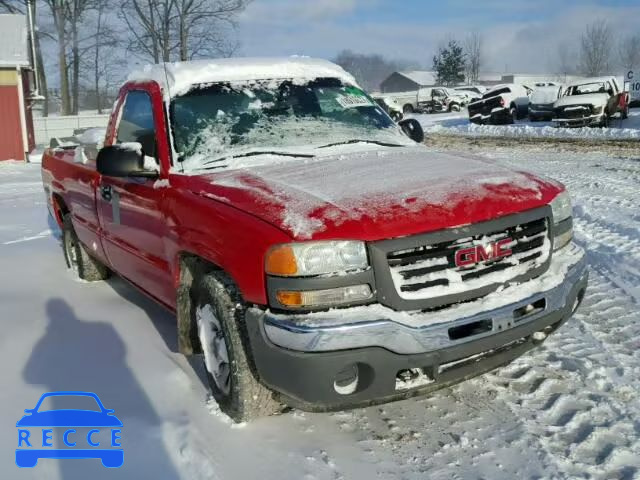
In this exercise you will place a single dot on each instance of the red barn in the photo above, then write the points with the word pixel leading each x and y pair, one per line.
pixel 16 124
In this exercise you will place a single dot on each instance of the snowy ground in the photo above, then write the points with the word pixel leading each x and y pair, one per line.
pixel 568 410
pixel 457 123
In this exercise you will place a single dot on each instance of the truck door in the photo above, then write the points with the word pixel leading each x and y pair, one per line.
pixel 130 212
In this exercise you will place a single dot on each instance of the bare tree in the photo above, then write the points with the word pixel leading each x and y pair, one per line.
pixel 101 61
pixel 629 52
pixel 59 11
pixel 203 26
pixel 163 30
pixel 473 52
pixel 149 22
pixel 596 48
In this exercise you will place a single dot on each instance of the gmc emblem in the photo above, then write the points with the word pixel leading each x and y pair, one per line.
pixel 479 253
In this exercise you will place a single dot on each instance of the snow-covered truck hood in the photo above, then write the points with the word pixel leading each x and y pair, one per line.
pixel 376 195
pixel 596 99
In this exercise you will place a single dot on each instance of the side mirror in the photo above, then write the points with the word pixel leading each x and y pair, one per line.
pixel 412 129
pixel 123 160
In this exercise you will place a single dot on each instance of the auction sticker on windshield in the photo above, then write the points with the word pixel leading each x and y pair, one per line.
pixel 353 98
pixel 69 433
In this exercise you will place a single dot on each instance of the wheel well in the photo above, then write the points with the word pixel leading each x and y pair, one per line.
pixel 190 268
pixel 60 208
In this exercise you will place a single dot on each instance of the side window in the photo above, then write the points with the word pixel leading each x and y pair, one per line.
pixel 136 122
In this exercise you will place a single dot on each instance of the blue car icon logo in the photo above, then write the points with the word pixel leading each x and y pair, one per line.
pixel 103 429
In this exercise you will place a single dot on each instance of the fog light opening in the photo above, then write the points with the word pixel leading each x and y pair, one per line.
pixel 346 381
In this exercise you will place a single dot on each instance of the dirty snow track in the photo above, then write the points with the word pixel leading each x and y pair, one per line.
pixel 570 409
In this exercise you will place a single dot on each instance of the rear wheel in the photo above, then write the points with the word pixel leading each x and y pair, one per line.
pixel 454 107
pixel 84 265
pixel 219 316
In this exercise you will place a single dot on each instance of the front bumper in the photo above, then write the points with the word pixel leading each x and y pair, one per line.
pixel 496 116
pixel 301 356
pixel 579 122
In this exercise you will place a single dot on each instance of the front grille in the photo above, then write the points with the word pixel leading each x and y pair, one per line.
pixel 579 111
pixel 430 271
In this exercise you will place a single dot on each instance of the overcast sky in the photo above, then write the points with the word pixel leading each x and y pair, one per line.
pixel 520 35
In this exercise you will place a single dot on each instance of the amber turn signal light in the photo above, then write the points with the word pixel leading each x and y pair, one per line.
pixel 281 261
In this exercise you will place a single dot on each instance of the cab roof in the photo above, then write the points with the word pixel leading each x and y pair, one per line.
pixel 584 81
pixel 177 78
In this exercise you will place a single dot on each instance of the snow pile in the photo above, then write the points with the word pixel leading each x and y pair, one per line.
pixel 93 136
pixel 458 124
pixel 179 77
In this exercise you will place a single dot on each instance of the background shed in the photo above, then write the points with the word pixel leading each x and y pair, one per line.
pixel 16 123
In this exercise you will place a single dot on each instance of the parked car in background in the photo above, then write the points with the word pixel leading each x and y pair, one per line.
pixel 428 100
pixel 440 99
pixel 542 101
pixel 389 106
pixel 474 92
pixel 591 102
pixel 502 104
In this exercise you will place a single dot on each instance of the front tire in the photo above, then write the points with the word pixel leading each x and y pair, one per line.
pixel 83 265
pixel 219 316
pixel 408 108
pixel 513 115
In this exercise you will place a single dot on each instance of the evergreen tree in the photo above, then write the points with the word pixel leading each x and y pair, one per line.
pixel 449 64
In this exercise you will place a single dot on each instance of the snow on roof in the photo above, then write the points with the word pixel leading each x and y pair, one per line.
pixel 13 48
pixel 181 76
pixel 421 77
pixel 584 81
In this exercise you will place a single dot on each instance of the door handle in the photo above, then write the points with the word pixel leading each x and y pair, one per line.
pixel 105 192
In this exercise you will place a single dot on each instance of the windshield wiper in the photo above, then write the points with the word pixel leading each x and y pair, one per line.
pixel 252 154
pixel 347 142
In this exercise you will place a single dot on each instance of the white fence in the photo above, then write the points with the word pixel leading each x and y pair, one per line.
pixel 46 128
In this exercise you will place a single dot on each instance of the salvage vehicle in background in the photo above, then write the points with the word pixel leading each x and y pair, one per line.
pixel 500 105
pixel 473 92
pixel 314 251
pixel 389 106
pixel 591 102
pixel 429 100
pixel 542 101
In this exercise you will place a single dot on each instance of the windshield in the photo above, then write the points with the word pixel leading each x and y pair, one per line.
pixel 217 121
pixel 544 95
pixel 598 87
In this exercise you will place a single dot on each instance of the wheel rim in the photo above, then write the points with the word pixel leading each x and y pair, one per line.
pixel 214 347
pixel 71 250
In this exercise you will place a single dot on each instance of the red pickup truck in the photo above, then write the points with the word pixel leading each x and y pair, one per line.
pixel 314 251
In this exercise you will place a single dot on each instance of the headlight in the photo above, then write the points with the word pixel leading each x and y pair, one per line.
pixel 561 207
pixel 316 258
